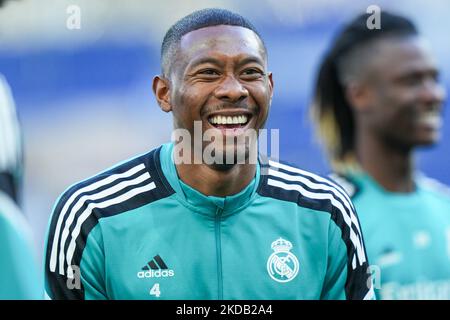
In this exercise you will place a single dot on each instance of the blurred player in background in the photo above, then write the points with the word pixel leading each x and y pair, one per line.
pixel 377 99
pixel 19 278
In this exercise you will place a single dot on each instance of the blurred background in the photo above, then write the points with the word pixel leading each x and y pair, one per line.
pixel 84 95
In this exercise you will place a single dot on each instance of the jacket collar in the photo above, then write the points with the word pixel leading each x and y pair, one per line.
pixel 195 200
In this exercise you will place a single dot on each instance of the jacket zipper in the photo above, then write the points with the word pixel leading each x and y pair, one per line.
pixel 219 252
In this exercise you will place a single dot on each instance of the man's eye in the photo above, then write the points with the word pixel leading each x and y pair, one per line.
pixel 252 73
pixel 208 72
pixel 412 80
pixel 436 76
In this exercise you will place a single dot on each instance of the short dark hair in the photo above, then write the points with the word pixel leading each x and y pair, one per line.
pixel 330 109
pixel 197 20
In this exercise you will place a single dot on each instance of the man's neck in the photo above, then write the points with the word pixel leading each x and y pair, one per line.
pixel 390 166
pixel 214 182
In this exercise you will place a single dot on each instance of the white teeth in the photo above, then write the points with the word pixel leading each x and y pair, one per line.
pixel 228 119
pixel 431 119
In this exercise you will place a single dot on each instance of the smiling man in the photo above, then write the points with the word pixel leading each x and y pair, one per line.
pixel 378 98
pixel 157 228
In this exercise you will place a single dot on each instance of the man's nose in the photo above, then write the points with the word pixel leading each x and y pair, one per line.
pixel 231 90
pixel 432 93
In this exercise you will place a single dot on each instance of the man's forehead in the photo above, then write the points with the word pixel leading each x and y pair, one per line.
pixel 397 56
pixel 406 51
pixel 224 38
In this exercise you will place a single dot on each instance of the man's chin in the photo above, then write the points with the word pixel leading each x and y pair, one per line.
pixel 224 158
pixel 428 137
pixel 222 167
pixel 429 142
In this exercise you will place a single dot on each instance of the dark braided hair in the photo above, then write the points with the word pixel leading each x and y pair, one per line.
pixel 330 109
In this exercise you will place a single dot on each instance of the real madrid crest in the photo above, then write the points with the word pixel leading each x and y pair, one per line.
pixel 282 265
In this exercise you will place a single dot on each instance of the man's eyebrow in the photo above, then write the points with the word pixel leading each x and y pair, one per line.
pixel 420 71
pixel 218 62
pixel 204 60
pixel 251 59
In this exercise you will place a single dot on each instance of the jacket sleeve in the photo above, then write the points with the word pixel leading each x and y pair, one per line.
pixel 347 276
pixel 18 269
pixel 83 278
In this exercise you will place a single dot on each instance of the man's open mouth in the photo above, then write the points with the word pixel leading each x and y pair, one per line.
pixel 430 120
pixel 229 121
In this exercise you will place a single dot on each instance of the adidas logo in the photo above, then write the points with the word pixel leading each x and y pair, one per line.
pixel 155 268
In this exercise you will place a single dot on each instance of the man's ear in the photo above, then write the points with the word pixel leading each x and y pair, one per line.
pixel 161 89
pixel 359 96
pixel 270 85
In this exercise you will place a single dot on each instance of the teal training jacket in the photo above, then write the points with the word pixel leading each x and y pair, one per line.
pixel 137 232
pixel 407 236
pixel 19 276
